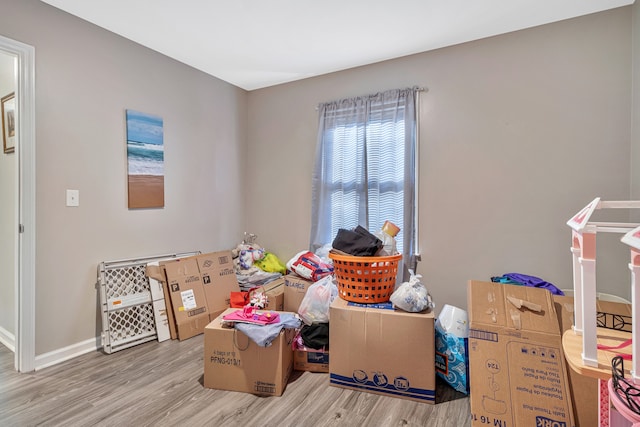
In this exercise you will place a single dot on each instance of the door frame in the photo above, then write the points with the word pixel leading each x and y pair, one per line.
pixel 25 202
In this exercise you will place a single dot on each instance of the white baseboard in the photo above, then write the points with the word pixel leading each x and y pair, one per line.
pixel 66 353
pixel 7 339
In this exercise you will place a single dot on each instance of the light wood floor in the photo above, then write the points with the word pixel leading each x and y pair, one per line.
pixel 160 384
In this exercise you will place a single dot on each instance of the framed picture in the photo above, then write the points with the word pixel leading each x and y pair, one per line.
pixel 145 158
pixel 9 122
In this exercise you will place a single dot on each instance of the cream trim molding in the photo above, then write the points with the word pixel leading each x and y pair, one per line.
pixel 25 202
pixel 66 353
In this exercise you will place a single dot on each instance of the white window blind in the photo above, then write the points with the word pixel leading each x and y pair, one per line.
pixel 365 167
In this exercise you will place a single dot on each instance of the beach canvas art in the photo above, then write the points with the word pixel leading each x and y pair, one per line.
pixel 145 158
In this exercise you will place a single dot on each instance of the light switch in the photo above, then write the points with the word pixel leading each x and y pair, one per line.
pixel 73 198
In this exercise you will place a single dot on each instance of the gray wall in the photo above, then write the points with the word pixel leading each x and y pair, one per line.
pixel 85 79
pixel 635 128
pixel 518 133
pixel 7 213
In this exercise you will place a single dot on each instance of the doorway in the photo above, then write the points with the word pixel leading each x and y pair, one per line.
pixel 22 230
pixel 8 196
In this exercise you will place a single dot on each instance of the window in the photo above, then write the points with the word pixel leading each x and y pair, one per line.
pixel 365 171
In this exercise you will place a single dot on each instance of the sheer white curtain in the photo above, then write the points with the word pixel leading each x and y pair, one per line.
pixel 365 167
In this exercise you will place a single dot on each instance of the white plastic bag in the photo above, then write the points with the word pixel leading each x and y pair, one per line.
pixel 314 307
pixel 323 253
pixel 412 296
pixel 388 244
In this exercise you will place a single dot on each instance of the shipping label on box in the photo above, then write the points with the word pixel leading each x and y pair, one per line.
pixel 295 288
pixel 516 363
pixel 369 351
pixel 232 361
pixel 218 279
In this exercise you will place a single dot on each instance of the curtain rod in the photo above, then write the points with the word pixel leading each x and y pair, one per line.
pixel 416 88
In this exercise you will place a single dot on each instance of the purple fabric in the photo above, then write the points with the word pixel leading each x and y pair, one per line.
pixel 534 282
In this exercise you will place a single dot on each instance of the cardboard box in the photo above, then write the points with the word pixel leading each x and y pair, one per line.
pixel 234 362
pixel 295 288
pixel 584 389
pixel 171 320
pixel 218 280
pixel 377 349
pixel 614 315
pixel 163 308
pixel 311 360
pixel 161 320
pixel 517 369
pixel 188 301
pixel 160 312
pixel 275 293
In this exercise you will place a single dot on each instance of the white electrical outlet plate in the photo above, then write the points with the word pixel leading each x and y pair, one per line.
pixel 73 198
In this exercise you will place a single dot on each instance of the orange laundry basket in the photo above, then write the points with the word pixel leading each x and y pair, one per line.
pixel 365 279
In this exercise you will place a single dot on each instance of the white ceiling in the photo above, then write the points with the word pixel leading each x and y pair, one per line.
pixel 259 43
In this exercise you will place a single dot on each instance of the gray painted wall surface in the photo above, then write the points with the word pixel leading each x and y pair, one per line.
pixel 85 79
pixel 518 132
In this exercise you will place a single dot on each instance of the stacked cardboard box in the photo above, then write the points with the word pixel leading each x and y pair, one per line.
pixel 295 288
pixel 516 361
pixel 374 348
pixel 232 361
pixel 218 280
pixel 186 293
pixel 196 289
pixel 377 349
pixel 275 294
pixel 311 360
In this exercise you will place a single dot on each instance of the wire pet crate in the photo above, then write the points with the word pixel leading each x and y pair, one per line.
pixel 127 303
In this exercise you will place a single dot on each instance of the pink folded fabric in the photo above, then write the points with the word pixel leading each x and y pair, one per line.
pixel 249 314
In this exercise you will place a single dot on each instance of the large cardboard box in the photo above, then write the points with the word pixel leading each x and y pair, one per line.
pixel 218 280
pixel 232 361
pixel 377 349
pixel 295 288
pixel 188 301
pixel 162 310
pixel 516 363
pixel 584 389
